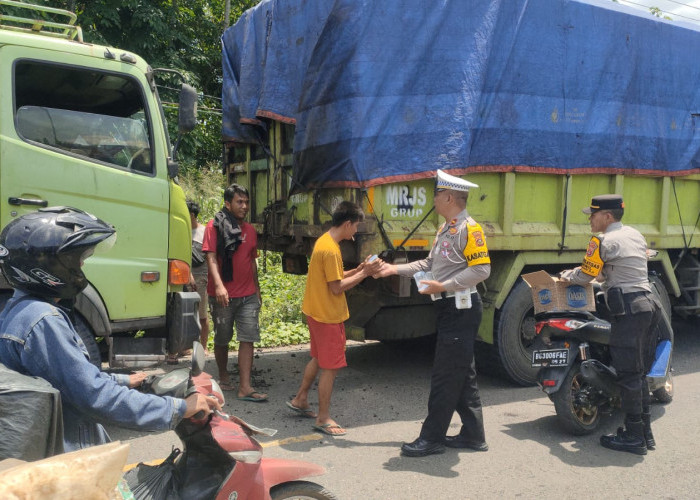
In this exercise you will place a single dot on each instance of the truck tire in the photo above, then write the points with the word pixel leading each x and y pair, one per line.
pixel 85 333
pixel 514 333
pixel 657 285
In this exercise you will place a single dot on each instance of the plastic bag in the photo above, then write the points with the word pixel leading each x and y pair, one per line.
pixel 92 473
pixel 31 417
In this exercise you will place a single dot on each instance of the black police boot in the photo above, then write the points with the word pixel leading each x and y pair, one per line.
pixel 421 448
pixel 630 439
pixel 648 436
pixel 472 434
pixel 459 441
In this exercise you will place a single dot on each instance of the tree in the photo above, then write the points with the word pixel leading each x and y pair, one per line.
pixel 173 34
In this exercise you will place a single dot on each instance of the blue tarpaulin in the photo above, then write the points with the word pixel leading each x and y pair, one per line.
pixel 383 91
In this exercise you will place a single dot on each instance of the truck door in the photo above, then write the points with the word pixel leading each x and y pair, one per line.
pixel 76 130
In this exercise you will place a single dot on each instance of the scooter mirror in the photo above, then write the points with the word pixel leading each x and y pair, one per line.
pixel 198 359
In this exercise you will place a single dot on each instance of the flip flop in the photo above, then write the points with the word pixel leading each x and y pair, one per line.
pixel 251 397
pixel 326 429
pixel 227 386
pixel 304 412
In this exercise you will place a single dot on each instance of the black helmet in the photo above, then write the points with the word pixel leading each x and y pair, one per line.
pixel 42 252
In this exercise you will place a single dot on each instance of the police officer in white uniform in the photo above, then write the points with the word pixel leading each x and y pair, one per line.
pixel 458 261
pixel 618 258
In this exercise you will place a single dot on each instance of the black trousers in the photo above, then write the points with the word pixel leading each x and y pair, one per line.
pixel 453 384
pixel 632 347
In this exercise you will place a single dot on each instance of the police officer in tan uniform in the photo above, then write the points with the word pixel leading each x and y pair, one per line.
pixel 458 261
pixel 618 258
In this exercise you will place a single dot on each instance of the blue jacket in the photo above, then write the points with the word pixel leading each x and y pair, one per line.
pixel 38 339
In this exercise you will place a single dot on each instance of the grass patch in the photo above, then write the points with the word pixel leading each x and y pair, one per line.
pixel 280 316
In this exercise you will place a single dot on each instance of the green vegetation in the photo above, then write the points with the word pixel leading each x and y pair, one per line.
pixel 280 316
pixel 184 36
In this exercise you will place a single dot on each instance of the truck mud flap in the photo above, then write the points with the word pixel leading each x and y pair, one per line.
pixel 183 321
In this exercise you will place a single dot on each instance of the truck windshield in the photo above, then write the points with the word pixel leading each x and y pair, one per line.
pixel 84 112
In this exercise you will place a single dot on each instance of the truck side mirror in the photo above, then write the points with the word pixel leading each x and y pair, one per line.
pixel 187 117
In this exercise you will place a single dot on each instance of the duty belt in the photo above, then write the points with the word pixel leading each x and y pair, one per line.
pixel 447 295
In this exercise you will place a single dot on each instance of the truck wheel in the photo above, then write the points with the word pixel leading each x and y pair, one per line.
pixel 514 333
pixel 658 286
pixel 575 416
pixel 85 332
pixel 301 490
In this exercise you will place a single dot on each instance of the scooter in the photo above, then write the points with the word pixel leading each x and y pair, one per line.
pixel 572 350
pixel 220 458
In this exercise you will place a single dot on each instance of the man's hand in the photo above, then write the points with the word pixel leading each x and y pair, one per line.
pixel 567 274
pixel 199 402
pixel 431 287
pixel 385 270
pixel 221 295
pixel 136 379
pixel 371 268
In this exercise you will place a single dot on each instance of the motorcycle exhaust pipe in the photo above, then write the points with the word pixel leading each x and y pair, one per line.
pixel 600 376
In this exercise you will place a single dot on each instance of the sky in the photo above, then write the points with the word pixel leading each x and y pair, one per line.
pixel 678 10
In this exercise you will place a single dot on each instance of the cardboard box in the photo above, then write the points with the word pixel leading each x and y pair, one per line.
pixel 550 293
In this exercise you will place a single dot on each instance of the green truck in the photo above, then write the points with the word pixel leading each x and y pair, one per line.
pixel 542 104
pixel 82 125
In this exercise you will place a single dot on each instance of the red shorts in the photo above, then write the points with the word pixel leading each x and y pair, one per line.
pixel 327 343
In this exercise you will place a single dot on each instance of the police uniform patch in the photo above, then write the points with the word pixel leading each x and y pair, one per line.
pixel 476 251
pixel 592 263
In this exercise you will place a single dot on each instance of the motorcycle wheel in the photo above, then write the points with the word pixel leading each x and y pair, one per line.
pixel 575 418
pixel 301 490
pixel 664 395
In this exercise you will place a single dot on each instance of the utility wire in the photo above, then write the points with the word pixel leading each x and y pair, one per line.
pixel 646 7
pixel 213 111
pixel 178 90
pixel 684 4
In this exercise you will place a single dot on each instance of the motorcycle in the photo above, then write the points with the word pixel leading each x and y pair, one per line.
pixel 572 350
pixel 220 458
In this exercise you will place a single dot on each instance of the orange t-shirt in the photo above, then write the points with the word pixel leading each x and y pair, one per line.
pixel 326 265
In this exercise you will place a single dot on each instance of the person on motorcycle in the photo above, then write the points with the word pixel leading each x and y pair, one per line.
pixel 618 258
pixel 41 255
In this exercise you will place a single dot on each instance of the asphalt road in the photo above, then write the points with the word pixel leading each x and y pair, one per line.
pixel 381 398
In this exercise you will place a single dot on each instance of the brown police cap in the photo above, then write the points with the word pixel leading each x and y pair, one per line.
pixel 604 202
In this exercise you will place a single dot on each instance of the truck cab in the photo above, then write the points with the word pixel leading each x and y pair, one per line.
pixel 81 125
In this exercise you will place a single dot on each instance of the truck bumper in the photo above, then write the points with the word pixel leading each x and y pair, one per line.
pixel 183 321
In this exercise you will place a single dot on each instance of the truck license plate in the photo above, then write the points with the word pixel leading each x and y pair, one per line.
pixel 550 357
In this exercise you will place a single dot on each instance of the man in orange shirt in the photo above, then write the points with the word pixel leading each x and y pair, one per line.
pixel 326 309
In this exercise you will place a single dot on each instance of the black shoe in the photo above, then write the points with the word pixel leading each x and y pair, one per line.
pixel 422 448
pixel 630 439
pixel 462 442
